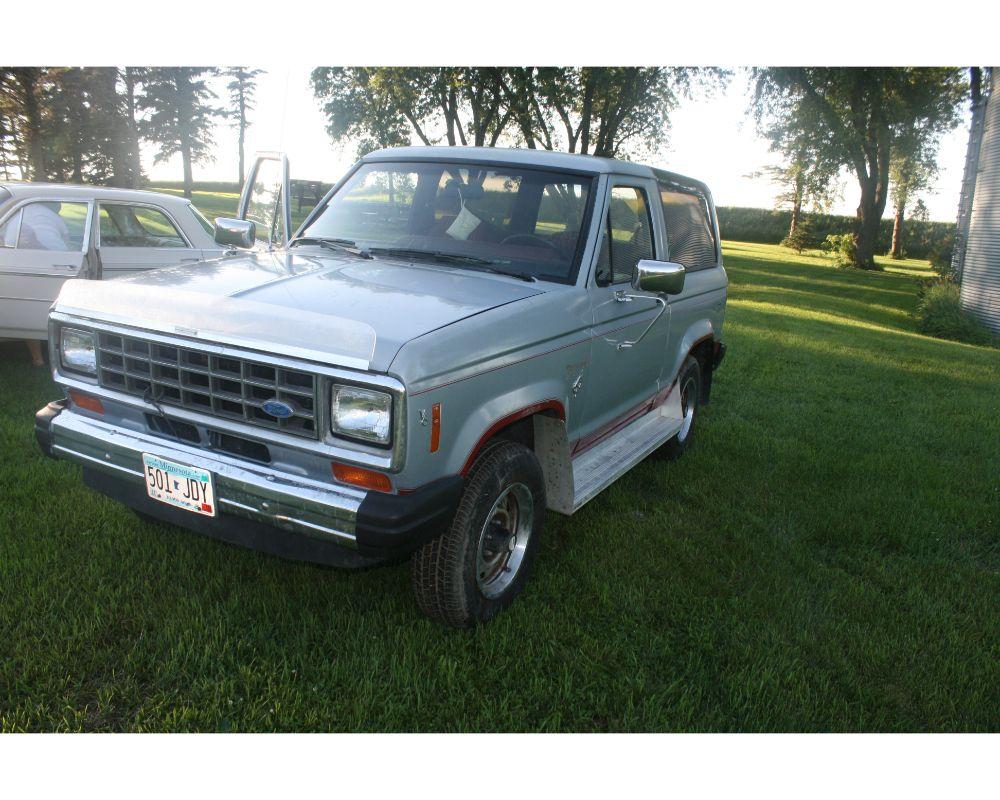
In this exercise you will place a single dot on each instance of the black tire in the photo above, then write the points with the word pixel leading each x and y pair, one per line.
pixel 689 385
pixel 446 572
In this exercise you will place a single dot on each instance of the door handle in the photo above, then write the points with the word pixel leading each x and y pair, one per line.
pixel 65 266
pixel 183 260
pixel 621 296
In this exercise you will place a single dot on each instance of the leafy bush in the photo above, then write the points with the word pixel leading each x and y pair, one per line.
pixel 766 226
pixel 841 247
pixel 940 257
pixel 940 314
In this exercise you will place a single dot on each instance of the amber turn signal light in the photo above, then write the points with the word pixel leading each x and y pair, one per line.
pixel 86 401
pixel 359 476
pixel 435 427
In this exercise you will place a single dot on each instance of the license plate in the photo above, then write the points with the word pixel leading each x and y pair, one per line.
pixel 179 485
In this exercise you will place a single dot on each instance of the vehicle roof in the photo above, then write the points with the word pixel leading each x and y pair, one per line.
pixel 24 189
pixel 550 159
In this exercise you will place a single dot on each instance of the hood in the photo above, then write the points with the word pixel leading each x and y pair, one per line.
pixel 335 309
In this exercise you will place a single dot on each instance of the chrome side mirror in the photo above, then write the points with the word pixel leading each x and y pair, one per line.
pixel 235 232
pixel 662 277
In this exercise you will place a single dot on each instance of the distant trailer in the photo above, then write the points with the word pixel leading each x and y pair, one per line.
pixel 977 246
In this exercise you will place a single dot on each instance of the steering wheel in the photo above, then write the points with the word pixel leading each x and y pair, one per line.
pixel 529 239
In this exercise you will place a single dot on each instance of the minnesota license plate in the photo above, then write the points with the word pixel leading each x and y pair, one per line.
pixel 179 485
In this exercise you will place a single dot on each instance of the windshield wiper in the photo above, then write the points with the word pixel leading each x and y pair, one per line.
pixel 340 245
pixel 440 256
pixel 432 255
pixel 510 273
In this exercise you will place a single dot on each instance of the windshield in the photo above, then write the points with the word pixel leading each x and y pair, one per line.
pixel 512 219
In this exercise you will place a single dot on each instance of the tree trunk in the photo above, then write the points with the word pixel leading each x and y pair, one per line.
pixel 118 139
pixel 897 232
pixel 188 176
pixel 866 235
pixel 134 155
pixel 799 191
pixel 243 133
pixel 873 177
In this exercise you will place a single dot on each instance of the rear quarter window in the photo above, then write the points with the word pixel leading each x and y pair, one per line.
pixel 200 219
pixel 690 234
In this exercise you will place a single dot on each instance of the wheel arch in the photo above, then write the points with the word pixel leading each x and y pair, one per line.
pixel 698 341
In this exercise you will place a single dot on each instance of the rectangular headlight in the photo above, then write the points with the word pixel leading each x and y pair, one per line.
pixel 77 351
pixel 361 414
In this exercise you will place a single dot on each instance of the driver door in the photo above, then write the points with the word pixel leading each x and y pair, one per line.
pixel 630 326
pixel 264 201
pixel 43 243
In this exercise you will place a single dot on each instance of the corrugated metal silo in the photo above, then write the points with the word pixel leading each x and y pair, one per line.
pixel 980 266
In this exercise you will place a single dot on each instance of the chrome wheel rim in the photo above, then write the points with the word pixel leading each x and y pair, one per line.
pixel 689 399
pixel 504 540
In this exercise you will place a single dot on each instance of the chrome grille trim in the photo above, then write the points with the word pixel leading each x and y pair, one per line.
pixel 221 385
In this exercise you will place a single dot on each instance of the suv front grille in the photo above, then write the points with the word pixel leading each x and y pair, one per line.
pixel 223 386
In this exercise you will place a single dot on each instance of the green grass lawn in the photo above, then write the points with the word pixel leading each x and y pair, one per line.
pixel 825 558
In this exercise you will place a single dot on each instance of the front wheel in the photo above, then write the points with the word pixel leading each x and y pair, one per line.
pixel 689 385
pixel 479 565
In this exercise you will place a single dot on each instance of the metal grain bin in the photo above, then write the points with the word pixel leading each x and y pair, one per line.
pixel 980 262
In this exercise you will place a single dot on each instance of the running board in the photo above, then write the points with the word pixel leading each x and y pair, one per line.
pixel 607 461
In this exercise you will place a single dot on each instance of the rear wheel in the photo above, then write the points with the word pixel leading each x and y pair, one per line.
pixel 480 564
pixel 689 385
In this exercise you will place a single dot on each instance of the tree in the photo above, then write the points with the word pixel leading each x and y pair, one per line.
pixel 132 78
pixel 8 143
pixel 180 115
pixel 806 176
pixel 66 123
pixel 860 114
pixel 24 89
pixel 359 105
pixel 617 111
pixel 242 89
pixel 911 171
pixel 610 111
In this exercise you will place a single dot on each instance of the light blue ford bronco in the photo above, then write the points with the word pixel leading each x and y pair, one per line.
pixel 452 342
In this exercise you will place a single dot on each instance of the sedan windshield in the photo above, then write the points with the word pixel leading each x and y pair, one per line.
pixel 510 220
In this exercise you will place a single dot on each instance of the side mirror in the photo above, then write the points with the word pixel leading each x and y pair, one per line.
pixel 235 232
pixel 662 277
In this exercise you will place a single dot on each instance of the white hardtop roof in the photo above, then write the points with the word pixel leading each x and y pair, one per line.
pixel 546 159
pixel 73 191
pixel 552 159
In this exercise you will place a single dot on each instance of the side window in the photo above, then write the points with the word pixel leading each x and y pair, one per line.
pixel 690 236
pixel 628 235
pixel 9 231
pixel 52 225
pixel 137 226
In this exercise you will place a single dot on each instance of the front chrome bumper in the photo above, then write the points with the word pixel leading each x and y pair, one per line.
pixel 327 512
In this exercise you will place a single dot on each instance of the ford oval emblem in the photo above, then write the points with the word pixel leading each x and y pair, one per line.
pixel 278 409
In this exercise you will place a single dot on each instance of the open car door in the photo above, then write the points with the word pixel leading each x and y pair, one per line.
pixel 264 201
pixel 43 243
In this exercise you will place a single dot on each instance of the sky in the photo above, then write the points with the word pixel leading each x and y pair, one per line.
pixel 710 138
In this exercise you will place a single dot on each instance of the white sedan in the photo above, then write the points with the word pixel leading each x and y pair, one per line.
pixel 50 233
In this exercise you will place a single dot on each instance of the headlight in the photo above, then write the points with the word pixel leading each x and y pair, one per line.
pixel 361 414
pixel 77 352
